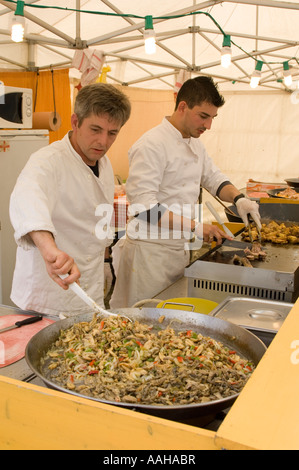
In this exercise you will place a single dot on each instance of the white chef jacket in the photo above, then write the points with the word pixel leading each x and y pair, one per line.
pixel 59 193
pixel 168 169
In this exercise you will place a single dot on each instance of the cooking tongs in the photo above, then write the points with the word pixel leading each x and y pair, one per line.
pixel 89 301
pixel 250 233
pixel 216 215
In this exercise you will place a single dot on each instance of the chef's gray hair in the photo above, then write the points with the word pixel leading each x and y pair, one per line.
pixel 100 99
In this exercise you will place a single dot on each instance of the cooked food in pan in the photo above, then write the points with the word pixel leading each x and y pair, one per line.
pixel 129 362
pixel 256 252
pixel 275 233
pixel 242 261
pixel 289 193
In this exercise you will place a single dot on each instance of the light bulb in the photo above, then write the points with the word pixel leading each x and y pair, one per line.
pixel 288 80
pixel 18 23
pixel 226 51
pixel 149 36
pixel 17 28
pixel 257 74
pixel 150 41
pixel 255 79
pixel 226 56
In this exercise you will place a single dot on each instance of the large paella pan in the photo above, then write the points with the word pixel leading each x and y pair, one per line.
pixel 185 326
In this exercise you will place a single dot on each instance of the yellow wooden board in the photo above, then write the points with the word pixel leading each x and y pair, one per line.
pixel 37 418
pixel 266 414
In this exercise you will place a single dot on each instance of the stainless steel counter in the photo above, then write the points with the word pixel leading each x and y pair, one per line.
pixel 178 289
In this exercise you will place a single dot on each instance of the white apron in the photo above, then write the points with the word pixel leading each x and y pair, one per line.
pixel 145 269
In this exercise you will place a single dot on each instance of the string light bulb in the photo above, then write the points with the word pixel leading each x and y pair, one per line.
pixel 149 36
pixel 288 80
pixel 18 23
pixel 257 74
pixel 226 51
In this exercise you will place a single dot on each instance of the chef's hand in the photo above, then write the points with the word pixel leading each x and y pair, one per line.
pixel 245 206
pixel 210 233
pixel 57 261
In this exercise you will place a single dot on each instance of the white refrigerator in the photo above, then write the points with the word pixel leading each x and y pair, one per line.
pixel 16 146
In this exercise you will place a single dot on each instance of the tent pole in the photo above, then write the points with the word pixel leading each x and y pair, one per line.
pixel 41 23
pixel 267 3
pixel 250 36
pixel 134 27
pixel 78 23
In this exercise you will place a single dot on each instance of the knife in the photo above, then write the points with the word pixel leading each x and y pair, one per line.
pixel 18 324
pixel 236 244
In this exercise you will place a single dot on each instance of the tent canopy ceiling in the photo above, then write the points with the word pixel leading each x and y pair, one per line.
pixel 189 37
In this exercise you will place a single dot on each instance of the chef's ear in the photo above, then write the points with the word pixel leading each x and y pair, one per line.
pixel 74 121
pixel 182 106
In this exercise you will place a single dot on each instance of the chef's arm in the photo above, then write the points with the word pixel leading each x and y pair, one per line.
pixel 228 192
pixel 171 221
pixel 206 232
pixel 57 261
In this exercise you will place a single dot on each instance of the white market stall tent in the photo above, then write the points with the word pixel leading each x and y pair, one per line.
pixel 256 132
pixel 189 37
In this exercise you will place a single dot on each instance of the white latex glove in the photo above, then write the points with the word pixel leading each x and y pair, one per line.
pixel 245 206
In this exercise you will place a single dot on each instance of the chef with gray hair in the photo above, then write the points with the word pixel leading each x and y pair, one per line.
pixel 53 207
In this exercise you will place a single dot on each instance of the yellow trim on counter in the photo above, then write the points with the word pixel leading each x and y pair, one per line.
pixel 278 200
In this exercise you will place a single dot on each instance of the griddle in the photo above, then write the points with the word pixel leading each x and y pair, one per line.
pixel 214 276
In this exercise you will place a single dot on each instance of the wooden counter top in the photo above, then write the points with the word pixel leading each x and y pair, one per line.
pixel 265 416
pixel 37 418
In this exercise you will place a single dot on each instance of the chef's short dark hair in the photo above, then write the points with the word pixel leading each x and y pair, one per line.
pixel 196 91
pixel 100 99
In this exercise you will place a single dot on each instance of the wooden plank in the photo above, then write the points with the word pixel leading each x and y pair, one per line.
pixel 266 414
pixel 37 418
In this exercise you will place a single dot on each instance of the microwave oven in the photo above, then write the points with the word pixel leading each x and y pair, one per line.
pixel 16 107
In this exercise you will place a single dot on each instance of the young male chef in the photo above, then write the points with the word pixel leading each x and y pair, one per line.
pixel 53 207
pixel 168 164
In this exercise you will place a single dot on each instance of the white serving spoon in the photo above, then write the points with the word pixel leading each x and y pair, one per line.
pixel 89 301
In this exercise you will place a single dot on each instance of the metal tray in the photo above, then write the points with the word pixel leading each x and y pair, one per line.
pixel 262 317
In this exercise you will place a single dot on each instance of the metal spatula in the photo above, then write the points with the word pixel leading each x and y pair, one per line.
pixel 89 301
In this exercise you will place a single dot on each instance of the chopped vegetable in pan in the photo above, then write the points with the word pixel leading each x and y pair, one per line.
pixel 116 360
